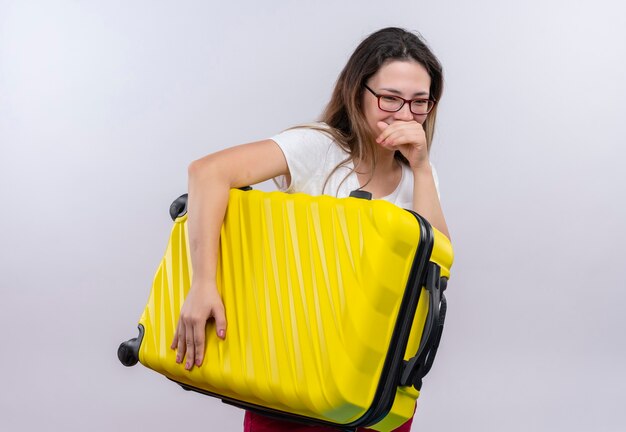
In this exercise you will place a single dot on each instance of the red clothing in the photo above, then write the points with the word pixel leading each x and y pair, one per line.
pixel 253 422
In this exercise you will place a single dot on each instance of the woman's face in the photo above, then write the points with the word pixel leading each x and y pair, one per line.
pixel 407 79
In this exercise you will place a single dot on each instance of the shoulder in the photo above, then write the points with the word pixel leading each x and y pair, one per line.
pixel 311 154
pixel 310 138
pixel 310 148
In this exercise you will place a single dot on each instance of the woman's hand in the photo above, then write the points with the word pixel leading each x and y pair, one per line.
pixel 408 137
pixel 202 303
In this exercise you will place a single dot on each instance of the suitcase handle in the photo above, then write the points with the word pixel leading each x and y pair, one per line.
pixel 363 194
pixel 418 366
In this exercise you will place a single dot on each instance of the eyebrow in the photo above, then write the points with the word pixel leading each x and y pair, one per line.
pixel 399 93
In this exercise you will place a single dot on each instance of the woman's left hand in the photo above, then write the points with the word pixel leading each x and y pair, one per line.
pixel 408 137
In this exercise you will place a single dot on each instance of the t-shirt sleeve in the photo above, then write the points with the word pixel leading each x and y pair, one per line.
pixel 305 149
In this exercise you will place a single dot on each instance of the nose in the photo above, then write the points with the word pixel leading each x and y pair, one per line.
pixel 404 113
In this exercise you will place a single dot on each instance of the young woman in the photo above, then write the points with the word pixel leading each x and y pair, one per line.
pixel 375 134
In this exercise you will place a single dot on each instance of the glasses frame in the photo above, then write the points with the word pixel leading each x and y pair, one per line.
pixel 404 101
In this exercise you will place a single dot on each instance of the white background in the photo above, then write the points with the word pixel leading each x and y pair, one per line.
pixel 103 104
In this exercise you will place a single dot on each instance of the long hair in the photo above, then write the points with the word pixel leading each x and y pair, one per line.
pixel 344 112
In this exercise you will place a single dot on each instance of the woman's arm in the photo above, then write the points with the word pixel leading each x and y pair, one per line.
pixel 210 181
pixel 425 198
pixel 409 138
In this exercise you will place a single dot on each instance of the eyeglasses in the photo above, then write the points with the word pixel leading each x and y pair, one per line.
pixel 395 103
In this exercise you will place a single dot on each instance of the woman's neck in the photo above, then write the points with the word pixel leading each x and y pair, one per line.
pixel 386 164
pixel 382 179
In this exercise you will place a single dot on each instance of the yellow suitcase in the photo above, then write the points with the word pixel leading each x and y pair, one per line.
pixel 335 309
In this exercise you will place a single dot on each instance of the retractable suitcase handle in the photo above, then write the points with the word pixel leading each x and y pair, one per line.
pixel 418 366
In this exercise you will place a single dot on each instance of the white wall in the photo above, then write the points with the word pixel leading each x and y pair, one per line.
pixel 104 103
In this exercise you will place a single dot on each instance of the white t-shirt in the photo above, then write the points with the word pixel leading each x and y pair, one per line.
pixel 312 155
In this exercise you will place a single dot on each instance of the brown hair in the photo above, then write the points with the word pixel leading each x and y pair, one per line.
pixel 344 112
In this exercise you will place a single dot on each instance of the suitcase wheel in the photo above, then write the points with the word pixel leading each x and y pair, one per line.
pixel 179 207
pixel 128 352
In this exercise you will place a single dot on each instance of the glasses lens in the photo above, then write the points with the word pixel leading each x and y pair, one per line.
pixel 421 106
pixel 390 103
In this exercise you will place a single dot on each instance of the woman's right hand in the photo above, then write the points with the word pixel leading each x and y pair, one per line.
pixel 202 303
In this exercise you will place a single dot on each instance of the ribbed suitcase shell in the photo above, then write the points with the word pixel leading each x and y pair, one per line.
pixel 312 288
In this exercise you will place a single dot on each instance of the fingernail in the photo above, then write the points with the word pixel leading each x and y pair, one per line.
pixel 221 333
pixel 188 366
pixel 177 359
pixel 198 362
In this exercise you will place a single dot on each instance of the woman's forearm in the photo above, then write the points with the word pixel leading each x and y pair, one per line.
pixel 208 197
pixel 426 200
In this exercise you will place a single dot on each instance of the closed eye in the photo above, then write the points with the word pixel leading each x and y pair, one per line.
pixel 389 98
